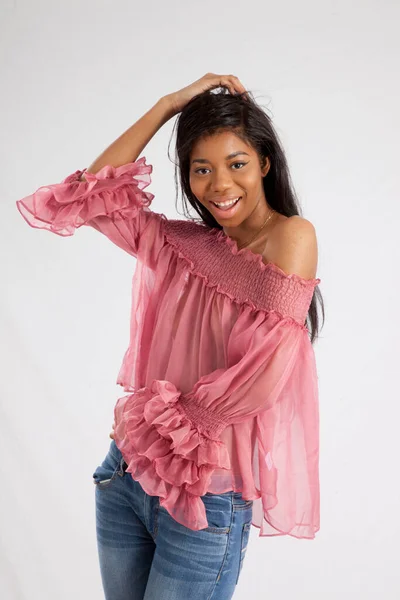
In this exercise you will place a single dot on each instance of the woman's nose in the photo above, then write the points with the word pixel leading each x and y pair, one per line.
pixel 220 183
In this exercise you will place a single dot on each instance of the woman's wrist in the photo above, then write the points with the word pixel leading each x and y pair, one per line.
pixel 169 105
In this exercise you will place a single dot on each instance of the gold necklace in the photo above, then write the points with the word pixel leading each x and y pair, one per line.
pixel 257 232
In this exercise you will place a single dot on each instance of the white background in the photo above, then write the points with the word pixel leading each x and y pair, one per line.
pixel 74 76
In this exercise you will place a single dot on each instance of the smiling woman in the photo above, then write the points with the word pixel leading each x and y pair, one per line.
pixel 225 180
pixel 219 428
pixel 252 199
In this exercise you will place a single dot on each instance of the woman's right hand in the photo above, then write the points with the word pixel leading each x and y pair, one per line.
pixel 209 81
pixel 112 433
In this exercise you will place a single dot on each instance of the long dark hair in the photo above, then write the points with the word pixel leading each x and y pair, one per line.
pixel 211 112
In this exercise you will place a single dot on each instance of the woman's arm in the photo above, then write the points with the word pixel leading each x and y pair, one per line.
pixel 130 144
pixel 109 196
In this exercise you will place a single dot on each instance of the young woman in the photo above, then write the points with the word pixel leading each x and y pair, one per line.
pixel 218 430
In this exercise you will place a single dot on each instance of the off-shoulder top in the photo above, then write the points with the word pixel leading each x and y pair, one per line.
pixel 220 373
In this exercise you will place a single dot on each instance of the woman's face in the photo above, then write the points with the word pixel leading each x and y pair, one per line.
pixel 217 176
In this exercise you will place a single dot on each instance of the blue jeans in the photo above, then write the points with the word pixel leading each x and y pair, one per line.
pixel 145 554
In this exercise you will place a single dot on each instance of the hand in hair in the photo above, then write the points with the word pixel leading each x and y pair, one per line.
pixel 209 81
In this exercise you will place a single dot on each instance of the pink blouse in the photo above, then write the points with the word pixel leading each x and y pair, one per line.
pixel 220 372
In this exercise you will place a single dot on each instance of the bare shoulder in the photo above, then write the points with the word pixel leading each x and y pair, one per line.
pixel 294 246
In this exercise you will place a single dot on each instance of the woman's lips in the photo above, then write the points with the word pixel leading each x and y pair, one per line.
pixel 229 211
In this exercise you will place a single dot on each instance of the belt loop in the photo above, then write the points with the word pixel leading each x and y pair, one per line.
pixel 122 467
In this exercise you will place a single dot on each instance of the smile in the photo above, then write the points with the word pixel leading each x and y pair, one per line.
pixel 227 207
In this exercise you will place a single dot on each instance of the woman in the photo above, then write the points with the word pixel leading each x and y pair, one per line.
pixel 219 429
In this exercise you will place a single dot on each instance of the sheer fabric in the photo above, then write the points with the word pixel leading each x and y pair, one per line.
pixel 220 373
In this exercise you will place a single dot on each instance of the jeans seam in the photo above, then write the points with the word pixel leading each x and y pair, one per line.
pixel 245 528
pixel 226 552
pixel 156 520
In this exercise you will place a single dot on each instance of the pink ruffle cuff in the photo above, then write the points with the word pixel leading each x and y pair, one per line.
pixel 166 452
pixel 63 207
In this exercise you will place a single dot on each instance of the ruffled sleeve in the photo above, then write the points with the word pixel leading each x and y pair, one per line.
pixel 112 201
pixel 172 440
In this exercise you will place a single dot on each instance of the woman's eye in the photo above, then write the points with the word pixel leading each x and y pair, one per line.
pixel 237 163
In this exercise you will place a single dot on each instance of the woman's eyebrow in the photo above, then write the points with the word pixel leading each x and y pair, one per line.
pixel 203 160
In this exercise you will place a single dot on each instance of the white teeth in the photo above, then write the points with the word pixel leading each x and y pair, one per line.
pixel 229 203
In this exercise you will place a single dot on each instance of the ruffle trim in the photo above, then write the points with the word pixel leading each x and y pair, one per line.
pixel 63 207
pixel 130 170
pixel 172 242
pixel 221 236
pixel 166 452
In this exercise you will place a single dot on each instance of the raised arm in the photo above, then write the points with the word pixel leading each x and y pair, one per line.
pixel 110 196
pixel 128 146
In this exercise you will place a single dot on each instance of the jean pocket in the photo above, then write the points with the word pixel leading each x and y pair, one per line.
pixel 243 546
pixel 106 473
pixel 218 512
pixel 239 503
pixel 218 508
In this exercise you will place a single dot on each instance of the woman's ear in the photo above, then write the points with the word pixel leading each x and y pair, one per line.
pixel 266 165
